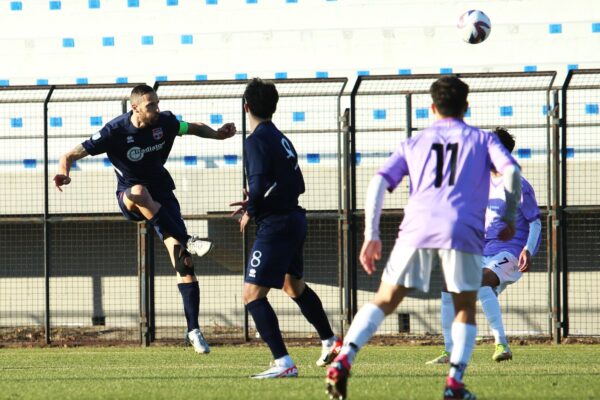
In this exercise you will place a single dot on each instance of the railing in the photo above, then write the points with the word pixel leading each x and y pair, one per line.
pixel 72 269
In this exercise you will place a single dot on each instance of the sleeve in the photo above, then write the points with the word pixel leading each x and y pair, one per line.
pixel 173 125
pixel 529 206
pixel 395 168
pixel 373 206
pixel 257 168
pixel 99 142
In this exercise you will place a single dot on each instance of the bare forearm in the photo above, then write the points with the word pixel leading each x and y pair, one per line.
pixel 67 159
pixel 201 130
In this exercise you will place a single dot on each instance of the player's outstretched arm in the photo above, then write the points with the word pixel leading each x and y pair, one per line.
pixel 201 130
pixel 64 165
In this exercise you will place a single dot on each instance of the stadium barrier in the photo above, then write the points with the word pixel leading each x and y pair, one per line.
pixel 73 269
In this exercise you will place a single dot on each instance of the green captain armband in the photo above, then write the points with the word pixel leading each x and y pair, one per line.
pixel 183 128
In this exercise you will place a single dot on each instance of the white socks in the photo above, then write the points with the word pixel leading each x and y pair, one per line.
pixel 463 337
pixel 325 344
pixel 491 308
pixel 363 327
pixel 285 361
pixel 447 315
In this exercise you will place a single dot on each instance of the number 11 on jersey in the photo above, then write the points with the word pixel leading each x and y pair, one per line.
pixel 439 168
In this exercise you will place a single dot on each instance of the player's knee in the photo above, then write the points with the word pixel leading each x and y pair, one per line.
pixel 293 287
pixel 139 195
pixel 251 293
pixel 249 297
pixel 489 278
pixel 184 264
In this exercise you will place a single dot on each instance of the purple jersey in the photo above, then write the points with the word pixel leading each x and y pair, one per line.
pixel 448 165
pixel 528 211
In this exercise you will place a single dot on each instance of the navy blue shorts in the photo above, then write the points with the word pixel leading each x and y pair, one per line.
pixel 167 200
pixel 277 250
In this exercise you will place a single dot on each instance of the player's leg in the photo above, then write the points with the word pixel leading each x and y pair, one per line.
pixel 447 315
pixel 307 300
pixel 312 308
pixel 267 325
pixel 462 273
pixel 190 293
pixel 364 325
pixel 268 263
pixel 164 213
pixel 406 268
pixel 499 271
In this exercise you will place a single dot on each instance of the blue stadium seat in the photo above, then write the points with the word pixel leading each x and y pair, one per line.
pixel 96 121
pixel 16 122
pixel 555 29
pixel 380 114
pixel 422 113
pixel 313 158
pixel 506 111
pixel 524 153
pixel 190 160
pixel 230 159
pixel 298 116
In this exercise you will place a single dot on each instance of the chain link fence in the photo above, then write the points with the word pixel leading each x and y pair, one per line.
pixel 580 201
pixel 387 110
pixel 73 269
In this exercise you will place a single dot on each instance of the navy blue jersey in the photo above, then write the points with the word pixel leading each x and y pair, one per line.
pixel 137 155
pixel 275 180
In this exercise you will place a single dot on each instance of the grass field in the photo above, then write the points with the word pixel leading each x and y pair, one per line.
pixel 393 372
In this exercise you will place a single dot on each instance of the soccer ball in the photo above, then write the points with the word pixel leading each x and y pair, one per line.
pixel 474 26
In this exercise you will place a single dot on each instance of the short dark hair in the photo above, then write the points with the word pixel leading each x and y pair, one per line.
pixel 138 92
pixel 449 95
pixel 506 138
pixel 261 97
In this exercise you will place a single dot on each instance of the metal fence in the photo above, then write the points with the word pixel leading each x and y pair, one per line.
pixel 387 109
pixel 72 269
pixel 580 201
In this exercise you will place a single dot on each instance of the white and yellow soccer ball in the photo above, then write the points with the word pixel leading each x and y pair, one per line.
pixel 474 26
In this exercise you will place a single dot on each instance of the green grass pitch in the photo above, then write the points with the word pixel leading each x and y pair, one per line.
pixel 381 372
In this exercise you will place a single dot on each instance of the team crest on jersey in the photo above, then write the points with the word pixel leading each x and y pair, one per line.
pixel 157 133
pixel 129 139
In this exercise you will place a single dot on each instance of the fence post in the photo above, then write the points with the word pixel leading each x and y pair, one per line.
pixel 245 241
pixel 344 225
pixel 556 216
pixel 352 246
pixel 142 234
pixel 47 265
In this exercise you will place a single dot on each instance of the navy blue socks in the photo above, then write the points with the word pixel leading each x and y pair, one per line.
pixel 267 326
pixel 312 309
pixel 190 294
